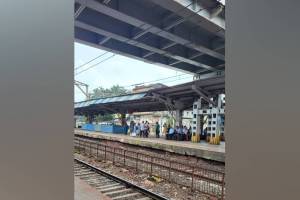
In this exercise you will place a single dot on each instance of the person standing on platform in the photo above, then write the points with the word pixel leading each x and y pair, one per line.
pixel 185 133
pixel 142 129
pixel 137 129
pixel 165 129
pixel 147 129
pixel 157 130
pixel 170 134
pixel 131 127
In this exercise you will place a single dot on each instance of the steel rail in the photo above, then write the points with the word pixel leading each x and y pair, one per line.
pixel 122 181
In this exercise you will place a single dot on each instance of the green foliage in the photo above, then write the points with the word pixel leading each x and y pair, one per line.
pixel 85 119
pixel 170 120
pixel 101 92
pixel 104 118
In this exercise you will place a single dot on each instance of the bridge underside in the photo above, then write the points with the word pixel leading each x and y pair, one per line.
pixel 184 35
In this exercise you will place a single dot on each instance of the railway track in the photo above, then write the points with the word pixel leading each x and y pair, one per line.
pixel 110 185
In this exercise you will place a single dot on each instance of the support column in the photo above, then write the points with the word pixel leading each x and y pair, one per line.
pixel 216 121
pixel 196 126
pixel 124 123
pixel 179 117
pixel 123 119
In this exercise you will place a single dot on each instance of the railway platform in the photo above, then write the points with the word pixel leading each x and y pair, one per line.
pixel 201 150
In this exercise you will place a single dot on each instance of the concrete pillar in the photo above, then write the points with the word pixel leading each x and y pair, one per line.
pixel 178 117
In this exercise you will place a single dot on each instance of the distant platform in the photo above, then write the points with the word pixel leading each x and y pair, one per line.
pixel 201 150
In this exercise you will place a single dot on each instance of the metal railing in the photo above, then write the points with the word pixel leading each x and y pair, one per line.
pixel 206 181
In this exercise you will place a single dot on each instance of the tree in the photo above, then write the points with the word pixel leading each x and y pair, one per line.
pixel 101 92
pixel 104 118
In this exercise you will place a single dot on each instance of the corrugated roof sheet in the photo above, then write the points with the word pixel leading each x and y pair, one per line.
pixel 129 97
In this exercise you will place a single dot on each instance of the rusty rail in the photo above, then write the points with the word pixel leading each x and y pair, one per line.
pixel 206 181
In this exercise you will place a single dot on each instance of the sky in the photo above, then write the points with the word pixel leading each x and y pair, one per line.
pixel 119 70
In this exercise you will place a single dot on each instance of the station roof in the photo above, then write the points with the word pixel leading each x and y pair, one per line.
pixel 184 35
pixel 167 98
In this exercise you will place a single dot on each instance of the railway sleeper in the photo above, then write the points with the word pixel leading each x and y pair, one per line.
pixel 95 182
pixel 84 174
pixel 144 198
pixel 107 186
pixel 94 177
pixel 110 189
pixel 127 196
pixel 119 192
pixel 103 183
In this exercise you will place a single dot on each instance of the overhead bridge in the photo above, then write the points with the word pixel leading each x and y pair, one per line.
pixel 185 35
pixel 161 99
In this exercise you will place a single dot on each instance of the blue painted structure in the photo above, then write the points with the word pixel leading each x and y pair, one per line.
pixel 88 127
pixel 113 128
pixel 105 128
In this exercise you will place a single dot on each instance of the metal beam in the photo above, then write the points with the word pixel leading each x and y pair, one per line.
pixel 198 55
pixel 215 12
pixel 203 94
pixel 92 4
pixel 104 40
pixel 110 109
pixel 98 46
pixel 140 45
pixel 171 44
pixel 163 99
pixel 148 54
pixel 106 1
pixel 79 85
pixel 215 87
pixel 204 18
pixel 174 104
pixel 79 11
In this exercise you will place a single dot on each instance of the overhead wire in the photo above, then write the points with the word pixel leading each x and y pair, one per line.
pixel 156 80
pixel 76 68
pixel 95 65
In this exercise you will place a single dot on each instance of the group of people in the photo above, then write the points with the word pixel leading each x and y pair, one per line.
pixel 142 129
pixel 178 133
pixel 181 133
